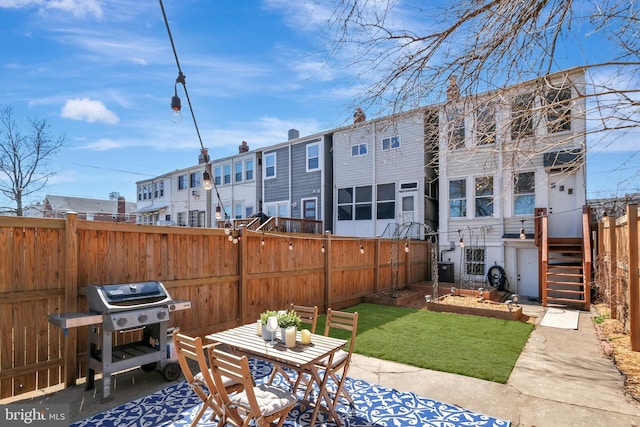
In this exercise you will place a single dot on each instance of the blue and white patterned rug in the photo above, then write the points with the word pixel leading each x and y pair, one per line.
pixel 177 405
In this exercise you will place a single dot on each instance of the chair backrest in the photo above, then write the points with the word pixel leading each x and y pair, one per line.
pixel 191 348
pixel 344 321
pixel 308 315
pixel 188 348
pixel 236 368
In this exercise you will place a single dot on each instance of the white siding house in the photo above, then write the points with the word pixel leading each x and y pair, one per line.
pixel 380 173
pixel 502 155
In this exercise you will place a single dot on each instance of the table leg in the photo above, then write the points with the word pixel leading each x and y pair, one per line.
pixel 323 393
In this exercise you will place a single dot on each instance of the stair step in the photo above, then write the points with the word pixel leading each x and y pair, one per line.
pixel 557 274
pixel 563 282
pixel 563 292
pixel 565 300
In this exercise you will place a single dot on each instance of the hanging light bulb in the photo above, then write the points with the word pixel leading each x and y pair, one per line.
pixel 522 233
pixel 206 180
pixel 406 247
pixel 262 242
pixel 322 248
pixel 361 248
pixel 461 243
pixel 218 212
pixel 290 246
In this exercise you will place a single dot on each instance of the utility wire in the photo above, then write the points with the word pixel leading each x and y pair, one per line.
pixel 181 79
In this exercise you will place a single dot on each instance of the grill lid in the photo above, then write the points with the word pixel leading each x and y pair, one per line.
pixel 106 298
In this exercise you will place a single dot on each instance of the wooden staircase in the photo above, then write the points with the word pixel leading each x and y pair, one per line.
pixel 566 267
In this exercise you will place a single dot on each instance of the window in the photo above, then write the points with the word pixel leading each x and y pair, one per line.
pixel 309 209
pixel 522 116
pixel 270 165
pixel 390 143
pixel 217 175
pixel 386 208
pixel 238 173
pixel 345 204
pixel 248 170
pixel 193 219
pixel 455 129
pixel 313 157
pixel 182 182
pixel 524 193
pixel 409 186
pixel 144 193
pixel 161 185
pixel 227 174
pixel 181 219
pixel 359 150
pixel 363 202
pixel 486 124
pixel 194 180
pixel 558 110
pixel 140 191
pixel 248 211
pixel 458 198
pixel 238 211
pixel 358 207
pixel 484 196
pixel 474 261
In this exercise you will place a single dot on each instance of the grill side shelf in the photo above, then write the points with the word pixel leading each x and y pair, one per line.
pixel 74 320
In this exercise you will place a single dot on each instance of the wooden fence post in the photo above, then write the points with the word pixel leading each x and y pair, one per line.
pixel 327 270
pixel 632 277
pixel 376 275
pixel 70 280
pixel 242 274
pixel 407 263
pixel 612 267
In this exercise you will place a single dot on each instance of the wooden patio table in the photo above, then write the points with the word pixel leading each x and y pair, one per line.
pixel 302 358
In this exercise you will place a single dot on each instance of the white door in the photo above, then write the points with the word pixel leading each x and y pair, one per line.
pixel 564 215
pixel 527 273
pixel 408 209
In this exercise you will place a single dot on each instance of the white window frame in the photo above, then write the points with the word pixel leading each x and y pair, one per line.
pixel 237 172
pixel 491 197
pixel 391 143
pixel 361 149
pixel 248 170
pixel 310 157
pixel 464 206
pixel 273 158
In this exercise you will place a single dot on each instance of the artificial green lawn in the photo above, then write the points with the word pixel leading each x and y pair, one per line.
pixel 473 346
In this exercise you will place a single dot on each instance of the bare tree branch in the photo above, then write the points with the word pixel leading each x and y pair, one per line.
pixel 23 158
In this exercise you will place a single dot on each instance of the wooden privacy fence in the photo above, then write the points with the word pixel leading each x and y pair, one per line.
pixel 46 263
pixel 617 270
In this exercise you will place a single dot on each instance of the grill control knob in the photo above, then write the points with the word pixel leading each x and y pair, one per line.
pixel 142 318
pixel 162 314
pixel 122 321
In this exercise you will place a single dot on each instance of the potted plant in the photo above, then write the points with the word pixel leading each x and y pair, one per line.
pixel 266 334
pixel 288 319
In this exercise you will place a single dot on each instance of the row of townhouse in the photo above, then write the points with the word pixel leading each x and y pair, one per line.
pixel 469 171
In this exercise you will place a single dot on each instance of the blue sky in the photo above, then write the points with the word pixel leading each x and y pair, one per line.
pixel 102 73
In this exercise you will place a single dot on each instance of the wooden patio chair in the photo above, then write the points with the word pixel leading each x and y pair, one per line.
pixel 309 315
pixel 264 404
pixel 191 349
pixel 342 359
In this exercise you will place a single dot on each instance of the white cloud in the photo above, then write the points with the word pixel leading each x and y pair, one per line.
pixel 103 145
pixel 78 8
pixel 88 110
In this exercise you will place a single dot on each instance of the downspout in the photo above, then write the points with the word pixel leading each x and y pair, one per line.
pixel 373 179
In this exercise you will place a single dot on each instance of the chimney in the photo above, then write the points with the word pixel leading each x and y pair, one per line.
pixel 359 116
pixel 453 92
pixel 204 156
pixel 294 134
pixel 243 148
pixel 121 209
